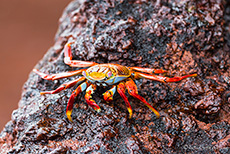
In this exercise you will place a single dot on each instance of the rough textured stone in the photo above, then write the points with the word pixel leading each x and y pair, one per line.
pixel 181 37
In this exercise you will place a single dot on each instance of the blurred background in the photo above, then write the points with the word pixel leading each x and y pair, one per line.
pixel 27 30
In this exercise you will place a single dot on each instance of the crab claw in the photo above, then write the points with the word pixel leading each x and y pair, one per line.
pixel 89 100
pixel 108 95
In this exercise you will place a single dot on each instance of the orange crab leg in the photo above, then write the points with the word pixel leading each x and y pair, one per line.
pixel 162 78
pixel 64 86
pixel 74 63
pixel 89 100
pixel 121 91
pixel 108 95
pixel 59 75
pixel 132 90
pixel 79 89
pixel 148 70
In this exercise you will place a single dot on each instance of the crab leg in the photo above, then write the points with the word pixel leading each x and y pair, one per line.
pixel 69 108
pixel 132 90
pixel 64 86
pixel 121 91
pixel 74 63
pixel 162 78
pixel 108 95
pixel 59 75
pixel 148 70
pixel 88 97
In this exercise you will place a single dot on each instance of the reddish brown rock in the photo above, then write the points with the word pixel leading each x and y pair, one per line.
pixel 181 37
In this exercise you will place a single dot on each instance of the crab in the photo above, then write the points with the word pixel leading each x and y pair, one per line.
pixel 119 78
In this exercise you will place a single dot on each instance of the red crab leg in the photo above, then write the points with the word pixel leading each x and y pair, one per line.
pixel 162 78
pixel 74 63
pixel 89 100
pixel 74 94
pixel 148 70
pixel 64 86
pixel 59 75
pixel 132 90
pixel 108 95
pixel 121 91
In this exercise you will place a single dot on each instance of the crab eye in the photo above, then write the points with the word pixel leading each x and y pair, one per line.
pixel 84 73
pixel 109 74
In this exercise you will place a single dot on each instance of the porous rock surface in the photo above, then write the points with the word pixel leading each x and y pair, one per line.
pixel 182 37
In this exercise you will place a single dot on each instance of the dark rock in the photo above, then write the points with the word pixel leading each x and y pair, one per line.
pixel 182 37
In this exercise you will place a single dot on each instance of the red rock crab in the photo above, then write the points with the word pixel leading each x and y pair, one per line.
pixel 117 76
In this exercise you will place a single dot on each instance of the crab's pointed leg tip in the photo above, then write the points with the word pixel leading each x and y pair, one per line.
pixel 155 112
pixel 194 75
pixel 68 114
pixel 42 93
pixel 98 109
pixel 130 116
pixel 130 113
pixel 46 92
pixel 158 114
pixel 70 119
